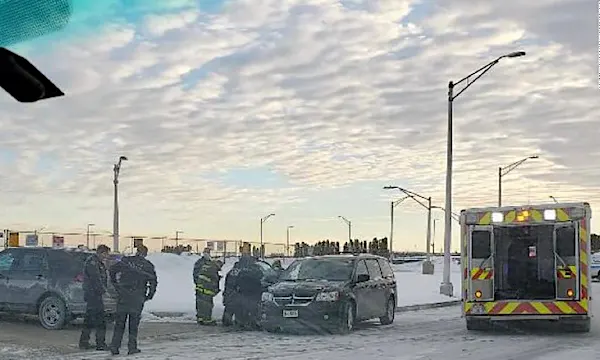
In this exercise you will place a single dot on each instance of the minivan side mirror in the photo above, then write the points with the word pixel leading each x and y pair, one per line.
pixel 362 278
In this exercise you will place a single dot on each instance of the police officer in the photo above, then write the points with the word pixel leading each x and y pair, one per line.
pixel 230 295
pixel 249 287
pixel 94 286
pixel 135 281
pixel 206 278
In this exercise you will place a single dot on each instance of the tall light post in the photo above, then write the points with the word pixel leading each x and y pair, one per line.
pixel 393 205
pixel 262 221
pixel 503 171
pixel 428 267
pixel 287 240
pixel 349 223
pixel 446 287
pixel 87 237
pixel 117 171
pixel 553 199
pixel 433 236
pixel 177 237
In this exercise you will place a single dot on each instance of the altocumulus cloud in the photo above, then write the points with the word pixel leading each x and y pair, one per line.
pixel 325 93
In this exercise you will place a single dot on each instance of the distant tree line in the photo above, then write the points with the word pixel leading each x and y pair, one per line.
pixel 375 246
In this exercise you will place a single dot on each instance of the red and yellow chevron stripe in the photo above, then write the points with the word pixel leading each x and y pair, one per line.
pixel 530 307
pixel 566 273
pixel 481 274
pixel 583 258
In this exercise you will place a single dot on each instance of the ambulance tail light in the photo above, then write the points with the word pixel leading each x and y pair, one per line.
pixel 497 217
pixel 570 293
pixel 550 214
pixel 478 294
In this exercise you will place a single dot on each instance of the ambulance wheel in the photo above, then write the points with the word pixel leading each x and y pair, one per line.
pixel 478 324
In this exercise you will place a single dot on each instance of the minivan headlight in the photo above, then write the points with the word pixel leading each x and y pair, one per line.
pixel 328 296
pixel 266 297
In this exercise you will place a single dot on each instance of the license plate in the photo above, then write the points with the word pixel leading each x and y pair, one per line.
pixel 478 309
pixel 290 313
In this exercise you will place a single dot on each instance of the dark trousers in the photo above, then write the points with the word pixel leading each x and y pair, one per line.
pixel 124 313
pixel 204 307
pixel 94 320
pixel 246 311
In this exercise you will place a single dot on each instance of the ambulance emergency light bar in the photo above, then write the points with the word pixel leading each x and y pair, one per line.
pixel 524 215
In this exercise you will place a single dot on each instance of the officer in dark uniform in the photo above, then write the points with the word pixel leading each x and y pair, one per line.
pixel 207 279
pixel 94 286
pixel 230 295
pixel 135 281
pixel 250 288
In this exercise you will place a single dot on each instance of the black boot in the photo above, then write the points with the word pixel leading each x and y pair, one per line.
pixel 114 351
pixel 134 351
pixel 102 347
pixel 85 346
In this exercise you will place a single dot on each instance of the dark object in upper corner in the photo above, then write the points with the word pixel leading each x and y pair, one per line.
pixel 23 81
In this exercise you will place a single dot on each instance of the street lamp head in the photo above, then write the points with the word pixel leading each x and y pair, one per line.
pixel 515 54
pixel 291 227
pixel 123 158
pixel 389 187
pixel 91 224
pixel 534 157
pixel 271 214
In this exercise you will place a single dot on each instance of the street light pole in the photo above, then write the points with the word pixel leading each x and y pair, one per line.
pixel 116 171
pixel 262 221
pixel 428 267
pixel 349 223
pixel 177 237
pixel 87 242
pixel 503 171
pixel 393 204
pixel 287 240
pixel 446 287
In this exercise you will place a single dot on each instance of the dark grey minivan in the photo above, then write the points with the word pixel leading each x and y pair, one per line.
pixel 45 282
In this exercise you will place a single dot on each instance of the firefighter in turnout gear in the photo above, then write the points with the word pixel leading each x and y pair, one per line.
pixel 206 278
pixel 135 281
pixel 249 290
pixel 95 281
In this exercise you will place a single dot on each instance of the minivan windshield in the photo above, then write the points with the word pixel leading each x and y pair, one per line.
pixel 330 269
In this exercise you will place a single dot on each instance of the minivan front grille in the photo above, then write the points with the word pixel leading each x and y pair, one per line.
pixel 293 300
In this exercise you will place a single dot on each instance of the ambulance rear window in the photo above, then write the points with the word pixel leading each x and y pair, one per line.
pixel 481 244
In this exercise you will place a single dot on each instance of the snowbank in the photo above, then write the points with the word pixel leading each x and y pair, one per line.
pixel 175 292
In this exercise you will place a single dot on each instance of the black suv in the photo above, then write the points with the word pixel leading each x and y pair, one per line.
pixel 47 282
pixel 330 294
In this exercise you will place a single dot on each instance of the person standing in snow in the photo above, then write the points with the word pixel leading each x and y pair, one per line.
pixel 95 282
pixel 206 278
pixel 249 290
pixel 230 295
pixel 135 281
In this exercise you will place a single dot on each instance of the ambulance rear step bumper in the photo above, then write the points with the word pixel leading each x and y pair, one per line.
pixel 529 317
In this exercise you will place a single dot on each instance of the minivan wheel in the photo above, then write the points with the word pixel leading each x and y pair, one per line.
pixel 348 318
pixel 390 312
pixel 52 313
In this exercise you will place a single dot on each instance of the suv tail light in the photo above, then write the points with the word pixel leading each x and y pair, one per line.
pixel 78 278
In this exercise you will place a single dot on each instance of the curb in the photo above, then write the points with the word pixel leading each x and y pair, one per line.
pixel 428 306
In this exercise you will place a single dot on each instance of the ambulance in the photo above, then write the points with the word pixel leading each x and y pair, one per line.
pixel 527 262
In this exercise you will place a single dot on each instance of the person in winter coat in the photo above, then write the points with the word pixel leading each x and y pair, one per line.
pixel 249 287
pixel 230 295
pixel 135 281
pixel 206 278
pixel 94 286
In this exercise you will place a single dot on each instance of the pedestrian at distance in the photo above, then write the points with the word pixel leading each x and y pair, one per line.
pixel 95 283
pixel 135 281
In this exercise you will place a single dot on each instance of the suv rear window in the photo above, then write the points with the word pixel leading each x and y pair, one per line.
pixel 69 262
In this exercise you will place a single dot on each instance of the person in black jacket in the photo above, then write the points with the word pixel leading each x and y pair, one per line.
pixel 230 295
pixel 206 278
pixel 249 288
pixel 94 286
pixel 135 281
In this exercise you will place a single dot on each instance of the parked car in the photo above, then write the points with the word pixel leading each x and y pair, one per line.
pixel 330 294
pixel 46 282
pixel 595 266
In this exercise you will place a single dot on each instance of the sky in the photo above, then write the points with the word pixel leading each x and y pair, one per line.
pixel 229 111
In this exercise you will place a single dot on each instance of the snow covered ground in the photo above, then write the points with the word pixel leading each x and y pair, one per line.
pixel 175 292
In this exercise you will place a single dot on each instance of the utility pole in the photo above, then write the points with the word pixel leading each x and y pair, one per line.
pixel 177 237
pixel 503 171
pixel 87 237
pixel 116 171
pixel 393 204
pixel 287 242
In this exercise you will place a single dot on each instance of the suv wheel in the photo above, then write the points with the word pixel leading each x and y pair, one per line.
pixel 348 318
pixel 52 313
pixel 390 312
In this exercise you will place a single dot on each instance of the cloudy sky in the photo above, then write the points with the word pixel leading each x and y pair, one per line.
pixel 229 111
